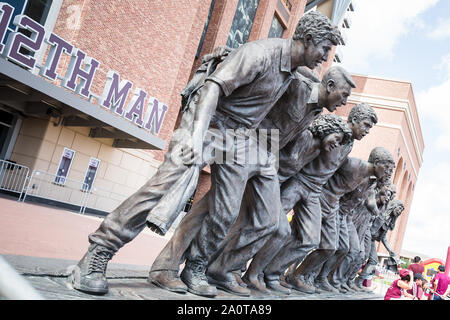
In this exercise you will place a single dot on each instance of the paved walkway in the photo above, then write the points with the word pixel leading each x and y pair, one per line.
pixel 43 231
pixel 43 243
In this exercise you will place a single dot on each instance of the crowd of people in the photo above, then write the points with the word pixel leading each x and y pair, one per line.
pixel 412 284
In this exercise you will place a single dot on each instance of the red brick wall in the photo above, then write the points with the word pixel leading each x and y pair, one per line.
pixel 218 28
pixel 150 43
pixel 204 183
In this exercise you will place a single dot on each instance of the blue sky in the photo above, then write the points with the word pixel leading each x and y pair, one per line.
pixel 410 40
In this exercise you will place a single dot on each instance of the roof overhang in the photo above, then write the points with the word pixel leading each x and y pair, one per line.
pixel 34 96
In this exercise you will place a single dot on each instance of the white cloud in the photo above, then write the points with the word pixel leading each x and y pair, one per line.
pixel 442 143
pixel 428 228
pixel 376 27
pixel 442 30
pixel 433 106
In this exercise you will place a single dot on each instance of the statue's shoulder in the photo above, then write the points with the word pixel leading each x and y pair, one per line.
pixel 305 75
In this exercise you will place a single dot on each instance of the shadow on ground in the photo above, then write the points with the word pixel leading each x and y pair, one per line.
pixel 129 282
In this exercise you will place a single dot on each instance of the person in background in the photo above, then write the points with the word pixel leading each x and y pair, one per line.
pixel 446 295
pixel 441 284
pixel 398 287
pixel 416 293
pixel 417 266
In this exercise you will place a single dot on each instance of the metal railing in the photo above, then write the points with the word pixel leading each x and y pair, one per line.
pixel 51 186
pixel 13 177
pixel 103 200
pixel 16 178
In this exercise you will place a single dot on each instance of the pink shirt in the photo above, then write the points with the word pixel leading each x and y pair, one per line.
pixel 416 291
pixel 443 282
pixel 394 291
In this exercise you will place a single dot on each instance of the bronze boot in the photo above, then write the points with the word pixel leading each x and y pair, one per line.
pixel 89 275
pixel 168 280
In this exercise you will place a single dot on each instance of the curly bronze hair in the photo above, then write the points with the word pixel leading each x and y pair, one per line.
pixel 327 124
pixel 319 27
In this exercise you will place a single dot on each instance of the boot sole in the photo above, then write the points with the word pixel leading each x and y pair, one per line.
pixel 287 292
pixel 224 288
pixel 328 290
pixel 199 293
pixel 78 286
pixel 304 290
pixel 162 286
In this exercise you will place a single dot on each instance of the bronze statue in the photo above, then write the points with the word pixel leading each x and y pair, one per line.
pixel 238 95
pixel 269 81
pixel 362 218
pixel 329 133
pixel 308 218
pixel 334 234
pixel 292 156
pixel 382 224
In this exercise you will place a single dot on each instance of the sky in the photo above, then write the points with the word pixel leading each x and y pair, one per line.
pixel 410 40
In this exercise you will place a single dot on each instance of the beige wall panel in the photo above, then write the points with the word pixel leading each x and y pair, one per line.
pixel 130 162
pixel 80 162
pixel 116 174
pixel 86 145
pixel 46 150
pixel 66 137
pixel 52 132
pixel 27 145
pixel 110 155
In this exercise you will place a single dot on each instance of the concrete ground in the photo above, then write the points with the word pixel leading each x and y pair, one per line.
pixel 43 243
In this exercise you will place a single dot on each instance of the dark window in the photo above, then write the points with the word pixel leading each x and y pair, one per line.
pixel 276 29
pixel 242 23
pixel 205 28
pixel 35 9
pixel 6 125
pixel 38 10
pixel 90 174
pixel 64 166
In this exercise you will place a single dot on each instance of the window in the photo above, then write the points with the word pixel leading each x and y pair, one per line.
pixel 205 29
pixel 90 174
pixel 64 166
pixel 38 10
pixel 276 29
pixel 242 23
pixel 35 9
pixel 6 124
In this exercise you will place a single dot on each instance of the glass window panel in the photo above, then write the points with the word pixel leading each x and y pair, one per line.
pixel 64 166
pixel 242 23
pixel 276 29
pixel 91 173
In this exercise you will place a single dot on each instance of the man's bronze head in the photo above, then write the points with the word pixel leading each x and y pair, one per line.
pixel 361 119
pixel 336 87
pixel 319 27
pixel 383 163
